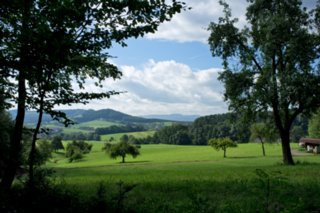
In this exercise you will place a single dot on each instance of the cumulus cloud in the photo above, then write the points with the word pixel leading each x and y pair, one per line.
pixel 191 25
pixel 164 87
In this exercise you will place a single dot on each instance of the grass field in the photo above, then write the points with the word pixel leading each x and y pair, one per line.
pixel 172 175
pixel 92 124
pixel 186 162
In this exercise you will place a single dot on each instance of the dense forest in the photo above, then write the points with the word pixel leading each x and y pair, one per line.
pixel 217 126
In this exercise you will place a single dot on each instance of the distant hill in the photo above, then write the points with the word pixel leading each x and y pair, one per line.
pixel 81 116
pixel 174 117
pixel 110 115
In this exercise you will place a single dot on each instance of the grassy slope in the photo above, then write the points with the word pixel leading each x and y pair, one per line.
pixel 92 124
pixel 173 178
pixel 163 162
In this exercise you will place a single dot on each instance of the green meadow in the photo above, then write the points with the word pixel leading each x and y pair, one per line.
pixel 83 127
pixel 174 178
pixel 177 162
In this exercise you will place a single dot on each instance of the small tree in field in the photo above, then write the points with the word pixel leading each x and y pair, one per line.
pixel 121 149
pixel 222 143
pixel 77 149
pixel 264 133
pixel 73 153
pixel 56 143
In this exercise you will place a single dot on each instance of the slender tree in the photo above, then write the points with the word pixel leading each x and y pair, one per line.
pixel 274 62
pixel 48 47
pixel 264 133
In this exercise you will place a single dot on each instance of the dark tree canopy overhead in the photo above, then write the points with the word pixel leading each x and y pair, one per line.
pixel 278 58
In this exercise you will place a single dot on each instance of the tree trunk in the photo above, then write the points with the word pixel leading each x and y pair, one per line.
pixel 16 138
pixel 15 142
pixel 33 146
pixel 123 157
pixel 263 149
pixel 224 153
pixel 286 150
pixel 262 145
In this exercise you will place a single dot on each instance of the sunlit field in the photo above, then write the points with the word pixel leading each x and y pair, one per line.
pixel 170 178
pixel 173 163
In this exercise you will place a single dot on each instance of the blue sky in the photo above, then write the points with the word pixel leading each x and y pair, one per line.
pixel 172 71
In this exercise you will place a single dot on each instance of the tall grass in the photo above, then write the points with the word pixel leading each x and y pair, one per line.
pixel 169 178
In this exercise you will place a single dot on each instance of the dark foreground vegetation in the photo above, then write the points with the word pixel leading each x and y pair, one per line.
pixel 267 191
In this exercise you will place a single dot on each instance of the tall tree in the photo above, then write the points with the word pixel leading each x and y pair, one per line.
pixel 49 49
pixel 274 64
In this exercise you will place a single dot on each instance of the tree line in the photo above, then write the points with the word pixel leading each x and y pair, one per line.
pixel 119 129
pixel 227 125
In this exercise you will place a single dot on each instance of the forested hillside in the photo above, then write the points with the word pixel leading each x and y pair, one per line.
pixel 218 126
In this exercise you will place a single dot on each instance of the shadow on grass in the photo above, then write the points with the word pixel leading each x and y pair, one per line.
pixel 134 162
pixel 59 153
pixel 244 157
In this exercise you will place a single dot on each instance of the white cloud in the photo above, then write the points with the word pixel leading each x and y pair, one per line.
pixel 164 87
pixel 191 25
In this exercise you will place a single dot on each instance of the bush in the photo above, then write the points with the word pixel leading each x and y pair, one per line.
pixel 77 149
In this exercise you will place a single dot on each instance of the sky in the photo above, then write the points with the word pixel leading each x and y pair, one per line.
pixel 172 71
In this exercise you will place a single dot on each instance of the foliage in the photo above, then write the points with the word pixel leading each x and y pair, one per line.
pixel 263 132
pixel 219 126
pixel 202 129
pixel 216 126
pixel 297 133
pixel 43 152
pixel 314 125
pixel 6 126
pixel 56 143
pixel 121 149
pixel 119 129
pixel 50 49
pixel 91 136
pixel 175 134
pixel 222 144
pixel 74 153
pixel 276 62
pixel 77 149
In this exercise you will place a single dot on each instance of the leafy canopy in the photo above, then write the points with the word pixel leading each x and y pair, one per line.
pixel 121 149
pixel 65 44
pixel 49 50
pixel 76 149
pixel 222 144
